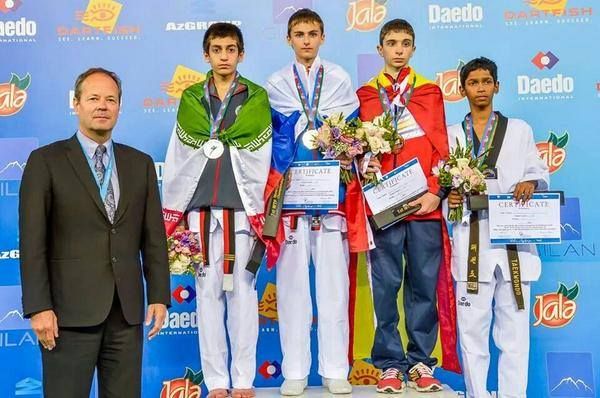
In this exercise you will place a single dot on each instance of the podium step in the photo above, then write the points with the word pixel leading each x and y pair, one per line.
pixel 358 392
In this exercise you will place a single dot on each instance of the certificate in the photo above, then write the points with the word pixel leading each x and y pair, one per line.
pixel 512 222
pixel 399 185
pixel 314 185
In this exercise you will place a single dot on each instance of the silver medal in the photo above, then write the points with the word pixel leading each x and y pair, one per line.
pixel 309 139
pixel 213 149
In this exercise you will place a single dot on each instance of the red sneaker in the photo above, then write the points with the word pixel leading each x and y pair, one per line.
pixel 420 377
pixel 391 381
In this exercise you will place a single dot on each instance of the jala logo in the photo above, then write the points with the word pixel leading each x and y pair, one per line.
pixel 555 87
pixel 187 386
pixel 7 6
pixel 13 94
pixel 449 83
pixel 363 373
pixel 365 15
pixel 556 310
pixel 467 16
pixel 9 254
pixel 553 151
pixel 194 25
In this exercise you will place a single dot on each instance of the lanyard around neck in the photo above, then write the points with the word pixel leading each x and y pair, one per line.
pixel 215 122
pixel 488 133
pixel 310 108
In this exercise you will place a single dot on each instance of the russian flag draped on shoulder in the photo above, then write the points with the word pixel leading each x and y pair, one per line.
pixel 249 139
pixel 289 121
pixel 426 105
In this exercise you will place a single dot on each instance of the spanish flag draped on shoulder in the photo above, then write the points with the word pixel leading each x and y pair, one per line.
pixel 249 139
pixel 426 138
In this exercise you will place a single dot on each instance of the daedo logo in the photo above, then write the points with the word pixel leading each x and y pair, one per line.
pixel 542 12
pixel 180 323
pixel 553 151
pixel 557 309
pixel 183 77
pixel 184 294
pixel 270 369
pixel 98 22
pixel 365 15
pixel 545 60
pixel 187 386
pixel 570 374
pixel 22 30
pixel 283 9
pixel 363 373
pixel 449 82
pixel 13 94
pixel 459 17
pixel 557 87
pixel 7 6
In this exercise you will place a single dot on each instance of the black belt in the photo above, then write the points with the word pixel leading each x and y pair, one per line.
pixel 473 263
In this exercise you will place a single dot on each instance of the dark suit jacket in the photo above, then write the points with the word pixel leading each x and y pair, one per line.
pixel 72 257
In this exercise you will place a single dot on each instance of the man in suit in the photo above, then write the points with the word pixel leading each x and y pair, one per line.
pixel 91 231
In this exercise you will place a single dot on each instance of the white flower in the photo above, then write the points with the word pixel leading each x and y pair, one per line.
pixel 462 163
pixel 177 267
pixel 337 120
pixel 454 171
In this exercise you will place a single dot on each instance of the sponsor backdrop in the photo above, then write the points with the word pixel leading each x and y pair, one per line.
pixel 545 51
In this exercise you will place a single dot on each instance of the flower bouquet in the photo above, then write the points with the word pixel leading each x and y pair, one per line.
pixel 379 137
pixel 462 172
pixel 337 138
pixel 185 255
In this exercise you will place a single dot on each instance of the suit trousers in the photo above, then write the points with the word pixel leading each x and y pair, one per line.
pixel 114 348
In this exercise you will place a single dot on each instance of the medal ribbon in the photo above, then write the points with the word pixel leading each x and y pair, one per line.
pixel 310 110
pixel 405 93
pixel 488 133
pixel 215 122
